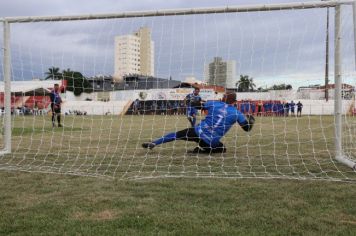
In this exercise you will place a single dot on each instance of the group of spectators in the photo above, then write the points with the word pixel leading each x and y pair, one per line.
pixel 270 108
pixel 158 107
pixel 76 112
pixel 259 108
pixel 25 110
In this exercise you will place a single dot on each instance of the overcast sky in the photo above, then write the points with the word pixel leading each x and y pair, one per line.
pixel 271 47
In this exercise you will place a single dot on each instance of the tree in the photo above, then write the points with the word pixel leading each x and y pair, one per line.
pixel 260 89
pixel 281 87
pixel 245 84
pixel 76 82
pixel 53 73
pixel 289 87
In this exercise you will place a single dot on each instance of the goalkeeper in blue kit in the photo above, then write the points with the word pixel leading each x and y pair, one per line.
pixel 222 115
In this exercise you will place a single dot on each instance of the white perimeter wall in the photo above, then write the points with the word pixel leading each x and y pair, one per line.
pixel 319 107
pixel 120 99
pixel 95 107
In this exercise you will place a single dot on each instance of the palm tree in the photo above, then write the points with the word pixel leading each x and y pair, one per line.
pixel 53 73
pixel 245 84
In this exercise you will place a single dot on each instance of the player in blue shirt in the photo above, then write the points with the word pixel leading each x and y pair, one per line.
pixel 193 102
pixel 292 106
pixel 222 115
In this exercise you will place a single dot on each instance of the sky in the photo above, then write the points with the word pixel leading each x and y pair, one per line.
pixel 271 47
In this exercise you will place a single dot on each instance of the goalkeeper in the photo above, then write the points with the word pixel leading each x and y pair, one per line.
pixel 222 115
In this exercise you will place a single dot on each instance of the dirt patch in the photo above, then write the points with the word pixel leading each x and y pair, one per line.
pixel 103 215
pixel 347 219
pixel 351 222
pixel 95 216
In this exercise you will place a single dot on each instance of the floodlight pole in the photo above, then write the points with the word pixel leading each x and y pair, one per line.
pixel 7 89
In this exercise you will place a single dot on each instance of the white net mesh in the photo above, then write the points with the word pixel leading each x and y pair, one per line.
pixel 103 130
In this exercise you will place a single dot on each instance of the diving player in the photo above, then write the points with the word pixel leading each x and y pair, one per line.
pixel 222 115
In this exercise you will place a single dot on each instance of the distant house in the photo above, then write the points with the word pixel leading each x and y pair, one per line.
pixel 218 89
pixel 130 82
pixel 102 83
pixel 140 82
pixel 309 87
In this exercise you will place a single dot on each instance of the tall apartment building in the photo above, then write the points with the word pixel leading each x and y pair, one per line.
pixel 134 54
pixel 221 73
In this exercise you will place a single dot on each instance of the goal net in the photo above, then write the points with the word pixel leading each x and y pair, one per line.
pixel 123 81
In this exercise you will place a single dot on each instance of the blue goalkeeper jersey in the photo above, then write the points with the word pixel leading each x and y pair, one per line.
pixel 220 118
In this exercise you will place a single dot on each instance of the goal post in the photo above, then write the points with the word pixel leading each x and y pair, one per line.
pixel 338 76
pixel 7 88
pixel 339 155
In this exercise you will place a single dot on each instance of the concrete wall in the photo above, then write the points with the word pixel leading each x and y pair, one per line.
pixel 118 99
pixel 95 108
pixel 320 107
pixel 69 96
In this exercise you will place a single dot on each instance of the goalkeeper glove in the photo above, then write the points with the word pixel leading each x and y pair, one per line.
pixel 250 120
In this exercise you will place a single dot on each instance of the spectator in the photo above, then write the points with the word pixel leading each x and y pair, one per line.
pixel 267 108
pixel 252 106
pixel 169 108
pixel 163 108
pixel 154 107
pixel 136 105
pixel 35 109
pixel 280 109
pixel 182 109
pixel 299 109
pixel 292 106
pixel 259 108
pixel 175 108
pixel 286 109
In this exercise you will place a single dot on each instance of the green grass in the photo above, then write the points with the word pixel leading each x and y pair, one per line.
pixel 17 131
pixel 134 194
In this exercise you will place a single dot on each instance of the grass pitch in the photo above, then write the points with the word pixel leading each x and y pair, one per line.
pixel 133 193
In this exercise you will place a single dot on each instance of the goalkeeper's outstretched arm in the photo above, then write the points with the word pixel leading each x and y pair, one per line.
pixel 248 124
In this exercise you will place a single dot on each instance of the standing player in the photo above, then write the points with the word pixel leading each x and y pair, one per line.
pixel 286 108
pixel 136 107
pixel 299 109
pixel 292 106
pixel 220 118
pixel 56 102
pixel 259 108
pixel 193 102
pixel 175 108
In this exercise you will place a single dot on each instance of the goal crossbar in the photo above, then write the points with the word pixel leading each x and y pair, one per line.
pixel 192 11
